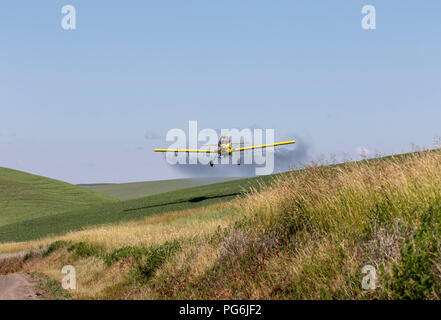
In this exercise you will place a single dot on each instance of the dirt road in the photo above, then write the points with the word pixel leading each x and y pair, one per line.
pixel 17 287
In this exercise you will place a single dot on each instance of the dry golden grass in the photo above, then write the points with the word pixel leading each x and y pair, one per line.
pixel 145 232
pixel 347 216
pixel 307 236
pixel 95 279
pixel 333 220
pixel 344 196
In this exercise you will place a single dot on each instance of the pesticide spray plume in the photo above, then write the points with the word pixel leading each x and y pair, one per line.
pixel 285 159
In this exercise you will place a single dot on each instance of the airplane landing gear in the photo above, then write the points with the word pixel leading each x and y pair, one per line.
pixel 211 163
pixel 238 162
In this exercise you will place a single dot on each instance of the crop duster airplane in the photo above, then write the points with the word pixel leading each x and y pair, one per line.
pixel 224 148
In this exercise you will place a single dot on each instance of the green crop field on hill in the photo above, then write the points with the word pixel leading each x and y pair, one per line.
pixel 306 235
pixel 33 207
pixel 133 190
pixel 25 196
pixel 46 207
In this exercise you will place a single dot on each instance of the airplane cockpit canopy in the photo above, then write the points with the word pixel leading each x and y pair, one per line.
pixel 224 139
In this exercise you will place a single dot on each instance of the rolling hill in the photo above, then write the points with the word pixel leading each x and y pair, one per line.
pixel 310 234
pixel 25 196
pixel 35 207
pixel 43 207
pixel 133 190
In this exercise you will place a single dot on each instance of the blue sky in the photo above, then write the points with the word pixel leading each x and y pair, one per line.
pixel 76 105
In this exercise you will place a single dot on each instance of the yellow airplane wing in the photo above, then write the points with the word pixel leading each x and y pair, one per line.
pixel 185 150
pixel 265 145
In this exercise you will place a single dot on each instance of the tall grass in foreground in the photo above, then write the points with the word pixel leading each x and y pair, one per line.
pixel 307 236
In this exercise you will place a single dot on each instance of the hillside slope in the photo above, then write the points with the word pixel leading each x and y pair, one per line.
pixel 84 217
pixel 311 234
pixel 133 190
pixel 25 196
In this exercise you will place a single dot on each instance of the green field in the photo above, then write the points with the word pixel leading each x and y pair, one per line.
pixel 307 235
pixel 33 207
pixel 25 196
pixel 133 190
pixel 46 207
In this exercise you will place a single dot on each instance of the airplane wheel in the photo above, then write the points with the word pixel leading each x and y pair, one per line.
pixel 238 162
pixel 211 163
